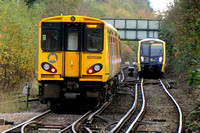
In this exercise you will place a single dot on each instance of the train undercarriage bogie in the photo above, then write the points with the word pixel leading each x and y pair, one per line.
pixel 60 94
pixel 150 75
pixel 151 71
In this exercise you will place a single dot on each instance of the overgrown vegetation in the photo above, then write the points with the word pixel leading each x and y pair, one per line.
pixel 18 26
pixel 181 31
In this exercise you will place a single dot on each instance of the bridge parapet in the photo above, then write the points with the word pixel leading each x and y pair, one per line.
pixel 135 29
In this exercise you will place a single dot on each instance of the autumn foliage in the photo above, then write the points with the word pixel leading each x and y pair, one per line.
pixel 19 41
pixel 181 31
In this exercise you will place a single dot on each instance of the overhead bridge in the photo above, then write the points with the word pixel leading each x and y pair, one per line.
pixel 135 29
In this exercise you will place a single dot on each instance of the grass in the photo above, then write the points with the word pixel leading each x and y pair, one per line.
pixel 11 102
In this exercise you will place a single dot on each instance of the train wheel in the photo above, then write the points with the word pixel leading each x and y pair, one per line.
pixel 103 94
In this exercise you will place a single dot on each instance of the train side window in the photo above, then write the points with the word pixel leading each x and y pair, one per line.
pixel 50 40
pixel 72 41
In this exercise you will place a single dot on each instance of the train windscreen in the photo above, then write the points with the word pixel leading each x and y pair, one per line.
pixel 156 50
pixel 94 37
pixel 145 49
pixel 72 36
pixel 51 36
pixel 68 36
pixel 151 50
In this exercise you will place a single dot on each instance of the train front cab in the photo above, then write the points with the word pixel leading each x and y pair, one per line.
pixel 73 58
pixel 151 58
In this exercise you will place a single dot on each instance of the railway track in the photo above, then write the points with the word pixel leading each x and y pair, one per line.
pixel 102 119
pixel 108 118
pixel 162 118
pixel 43 122
pixel 37 124
pixel 105 119
pixel 20 127
pixel 137 113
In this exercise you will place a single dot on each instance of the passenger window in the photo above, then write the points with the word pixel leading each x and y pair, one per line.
pixel 50 40
pixel 72 41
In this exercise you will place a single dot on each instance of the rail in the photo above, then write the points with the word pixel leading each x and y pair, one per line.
pixel 24 123
pixel 141 110
pixel 89 115
pixel 179 109
pixel 143 105
pixel 74 123
pixel 122 72
pixel 123 120
pixel 97 112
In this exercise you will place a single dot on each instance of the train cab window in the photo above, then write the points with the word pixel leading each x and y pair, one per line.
pixel 51 36
pixel 50 40
pixel 72 41
pixel 94 37
pixel 72 36
pixel 145 50
pixel 156 50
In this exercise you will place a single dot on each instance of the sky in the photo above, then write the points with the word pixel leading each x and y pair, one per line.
pixel 160 4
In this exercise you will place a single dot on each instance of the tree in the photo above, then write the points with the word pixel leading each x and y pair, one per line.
pixel 19 40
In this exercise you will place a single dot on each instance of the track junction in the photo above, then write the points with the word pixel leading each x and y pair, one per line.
pixel 131 109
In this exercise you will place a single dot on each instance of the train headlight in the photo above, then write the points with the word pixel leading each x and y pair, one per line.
pixel 97 67
pixel 46 66
pixel 73 18
pixel 160 59
pixel 142 58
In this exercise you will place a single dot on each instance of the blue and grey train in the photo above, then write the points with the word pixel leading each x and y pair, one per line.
pixel 151 57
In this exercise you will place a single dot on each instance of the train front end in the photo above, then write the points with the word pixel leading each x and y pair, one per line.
pixel 151 58
pixel 71 58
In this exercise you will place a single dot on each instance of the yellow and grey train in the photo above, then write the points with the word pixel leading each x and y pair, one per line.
pixel 78 57
pixel 151 58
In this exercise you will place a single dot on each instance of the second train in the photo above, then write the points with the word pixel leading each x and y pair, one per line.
pixel 151 58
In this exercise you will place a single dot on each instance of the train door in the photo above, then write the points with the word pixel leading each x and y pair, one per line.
pixel 72 46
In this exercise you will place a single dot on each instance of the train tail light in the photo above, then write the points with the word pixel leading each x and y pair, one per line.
pixel 90 71
pixel 53 70
pixel 95 68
